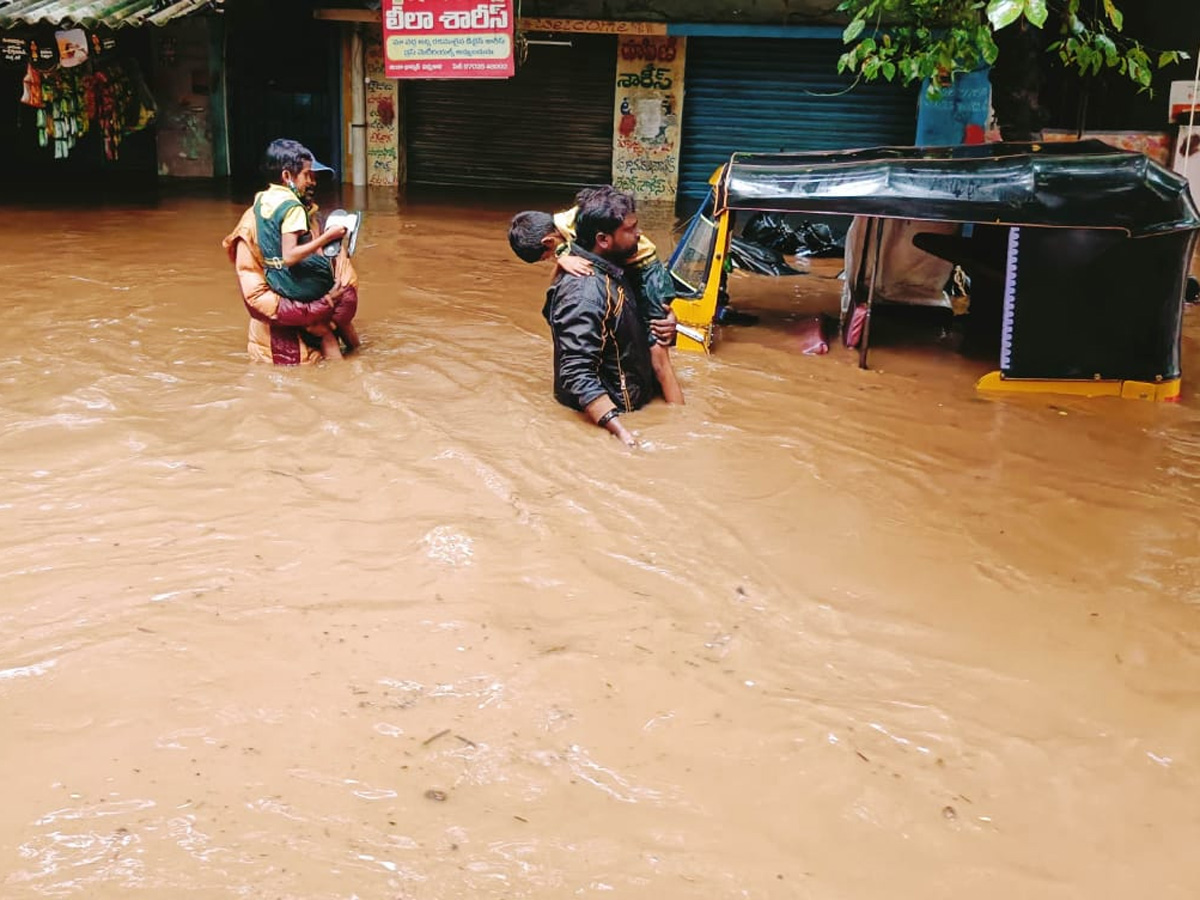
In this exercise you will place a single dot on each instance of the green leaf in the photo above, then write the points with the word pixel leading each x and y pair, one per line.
pixel 1036 12
pixel 1108 47
pixel 1002 13
pixel 853 30
pixel 1167 58
pixel 889 70
pixel 1114 15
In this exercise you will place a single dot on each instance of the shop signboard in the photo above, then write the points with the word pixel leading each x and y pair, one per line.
pixel 448 38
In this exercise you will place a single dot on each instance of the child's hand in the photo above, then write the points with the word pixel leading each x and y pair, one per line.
pixel 341 277
pixel 664 329
pixel 574 265
pixel 336 233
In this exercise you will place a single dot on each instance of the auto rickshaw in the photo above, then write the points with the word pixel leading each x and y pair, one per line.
pixel 1084 249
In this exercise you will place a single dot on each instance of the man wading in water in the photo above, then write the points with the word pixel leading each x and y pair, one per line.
pixel 285 331
pixel 601 348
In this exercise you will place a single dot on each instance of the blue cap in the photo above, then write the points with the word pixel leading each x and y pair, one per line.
pixel 320 166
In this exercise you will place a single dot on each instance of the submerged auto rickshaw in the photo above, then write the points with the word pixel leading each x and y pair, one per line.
pixel 1085 248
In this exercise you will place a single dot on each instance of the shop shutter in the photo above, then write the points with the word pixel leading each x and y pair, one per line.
pixel 770 95
pixel 551 124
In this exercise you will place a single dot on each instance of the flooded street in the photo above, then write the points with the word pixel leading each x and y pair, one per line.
pixel 406 629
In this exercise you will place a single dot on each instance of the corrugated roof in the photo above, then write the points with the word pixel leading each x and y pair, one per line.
pixel 110 13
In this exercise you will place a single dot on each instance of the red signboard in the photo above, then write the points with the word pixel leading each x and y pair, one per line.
pixel 448 38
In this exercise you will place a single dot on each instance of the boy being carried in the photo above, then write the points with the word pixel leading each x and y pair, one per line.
pixel 294 264
pixel 535 236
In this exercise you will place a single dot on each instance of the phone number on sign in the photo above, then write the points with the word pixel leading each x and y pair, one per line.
pixel 462 46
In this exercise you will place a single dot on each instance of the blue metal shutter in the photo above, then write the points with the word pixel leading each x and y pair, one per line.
pixel 768 95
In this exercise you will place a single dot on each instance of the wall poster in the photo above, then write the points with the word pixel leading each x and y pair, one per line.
pixel 649 103
pixel 383 127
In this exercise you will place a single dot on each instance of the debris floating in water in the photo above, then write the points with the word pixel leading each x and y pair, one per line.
pixel 445 545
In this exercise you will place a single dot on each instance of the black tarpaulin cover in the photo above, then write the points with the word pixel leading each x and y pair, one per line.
pixel 1084 184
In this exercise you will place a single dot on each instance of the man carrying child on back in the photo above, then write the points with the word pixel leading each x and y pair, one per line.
pixel 295 266
pixel 602 361
pixel 535 236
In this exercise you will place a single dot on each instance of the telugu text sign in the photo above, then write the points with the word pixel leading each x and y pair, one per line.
pixel 448 38
pixel 591 26
pixel 649 100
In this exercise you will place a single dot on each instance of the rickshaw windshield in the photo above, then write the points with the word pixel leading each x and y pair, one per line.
pixel 692 258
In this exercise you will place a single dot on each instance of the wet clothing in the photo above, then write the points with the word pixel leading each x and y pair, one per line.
pixel 278 211
pixel 653 290
pixel 277 325
pixel 652 286
pixel 600 342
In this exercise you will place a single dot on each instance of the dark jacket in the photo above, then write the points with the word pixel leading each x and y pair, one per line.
pixel 600 343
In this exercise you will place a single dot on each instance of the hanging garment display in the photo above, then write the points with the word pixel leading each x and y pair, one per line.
pixel 112 96
pixel 31 87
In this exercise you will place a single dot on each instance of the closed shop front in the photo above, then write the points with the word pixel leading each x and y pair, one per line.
pixel 778 94
pixel 284 74
pixel 549 125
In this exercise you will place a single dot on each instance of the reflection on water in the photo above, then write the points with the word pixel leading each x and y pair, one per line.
pixel 404 627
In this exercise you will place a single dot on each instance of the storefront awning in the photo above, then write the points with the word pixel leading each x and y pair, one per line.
pixel 94 13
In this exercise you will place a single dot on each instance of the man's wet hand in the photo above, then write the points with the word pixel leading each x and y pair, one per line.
pixel 575 265
pixel 664 329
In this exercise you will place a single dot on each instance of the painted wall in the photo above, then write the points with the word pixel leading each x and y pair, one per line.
pixel 182 86
pixel 959 115
pixel 385 148
pixel 648 107
pixel 384 165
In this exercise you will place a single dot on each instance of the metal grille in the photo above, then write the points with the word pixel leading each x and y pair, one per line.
pixel 772 95
pixel 551 124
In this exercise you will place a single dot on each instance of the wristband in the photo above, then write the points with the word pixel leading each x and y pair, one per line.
pixel 608 417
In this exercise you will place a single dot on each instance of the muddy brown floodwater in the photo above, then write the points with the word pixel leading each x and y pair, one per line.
pixel 406 628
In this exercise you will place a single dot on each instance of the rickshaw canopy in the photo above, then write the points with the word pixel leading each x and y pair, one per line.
pixel 1082 185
